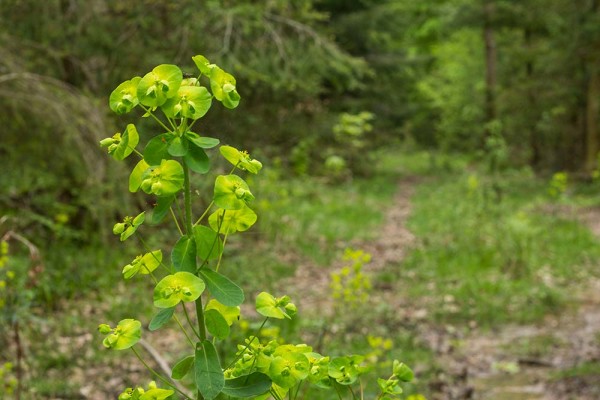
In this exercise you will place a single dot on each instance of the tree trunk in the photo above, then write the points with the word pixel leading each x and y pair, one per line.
pixel 591 120
pixel 490 63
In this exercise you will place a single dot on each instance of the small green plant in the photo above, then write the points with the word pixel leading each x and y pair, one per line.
pixel 347 155
pixel 350 286
pixel 558 185
pixel 193 271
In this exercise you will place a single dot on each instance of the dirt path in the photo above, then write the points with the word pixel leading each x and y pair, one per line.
pixel 519 362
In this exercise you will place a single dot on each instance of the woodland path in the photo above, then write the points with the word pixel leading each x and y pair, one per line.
pixel 513 362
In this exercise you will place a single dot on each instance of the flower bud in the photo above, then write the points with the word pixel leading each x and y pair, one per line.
pixel 104 329
pixel 107 142
pixel 118 228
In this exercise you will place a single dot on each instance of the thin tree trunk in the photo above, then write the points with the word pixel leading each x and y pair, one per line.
pixel 591 120
pixel 490 63
pixel 534 139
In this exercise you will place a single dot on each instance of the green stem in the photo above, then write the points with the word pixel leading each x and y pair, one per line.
pixel 248 345
pixel 184 331
pixel 155 118
pixel 336 389
pixel 352 391
pixel 147 248
pixel 136 152
pixel 176 221
pixel 159 376
pixel 204 214
pixel 221 255
pixel 187 316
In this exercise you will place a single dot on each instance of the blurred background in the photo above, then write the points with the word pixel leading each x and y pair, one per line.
pixel 434 162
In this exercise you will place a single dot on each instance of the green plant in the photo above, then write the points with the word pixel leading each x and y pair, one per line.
pixel 193 273
pixel 558 185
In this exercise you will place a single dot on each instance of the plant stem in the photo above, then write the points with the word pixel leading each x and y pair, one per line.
pixel 176 221
pixel 159 376
pixel 155 118
pixel 187 316
pixel 248 345
pixel 204 214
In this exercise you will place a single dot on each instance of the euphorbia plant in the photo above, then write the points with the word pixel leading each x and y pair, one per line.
pixel 192 274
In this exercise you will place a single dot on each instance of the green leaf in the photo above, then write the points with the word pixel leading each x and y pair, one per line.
pixel 268 306
pixel 178 147
pixel 231 221
pixel 161 209
pixel 203 142
pixel 231 192
pixel 183 366
pixel 247 386
pixel 124 97
pixel 231 314
pixel 163 180
pixel 203 64
pixel 157 149
pixel 159 85
pixel 183 255
pixel 403 371
pixel 289 369
pixel 129 226
pixel 143 264
pixel 129 139
pixel 135 179
pixel 191 102
pixel 181 286
pixel 157 394
pixel 208 243
pixel 221 288
pixel 222 85
pixel 197 160
pixel 240 159
pixel 161 318
pixel 209 376
pixel 127 333
pixel 216 324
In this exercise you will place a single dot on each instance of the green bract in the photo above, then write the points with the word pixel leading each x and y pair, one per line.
pixel 240 159
pixel 119 146
pixel 231 192
pixel 288 369
pixel 181 286
pixel 143 264
pixel 231 314
pixel 159 85
pixel 191 102
pixel 345 370
pixel 203 64
pixel 269 306
pixel 128 226
pixel 127 333
pixel 222 85
pixel 124 97
pixel 231 221
pixel 163 180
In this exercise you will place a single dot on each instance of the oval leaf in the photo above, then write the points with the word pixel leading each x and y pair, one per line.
pixel 208 243
pixel 161 209
pixel 157 149
pixel 201 141
pixel 216 324
pixel 135 179
pixel 225 291
pixel 183 255
pixel 161 318
pixel 182 367
pixel 209 376
pixel 197 160
pixel 246 386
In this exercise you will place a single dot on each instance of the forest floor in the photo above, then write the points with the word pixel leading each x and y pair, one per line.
pixel 553 359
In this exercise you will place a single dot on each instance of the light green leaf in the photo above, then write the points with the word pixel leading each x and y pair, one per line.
pixel 247 386
pixel 161 318
pixel 191 102
pixel 231 192
pixel 208 243
pixel 268 306
pixel 127 333
pixel 216 324
pixel 231 314
pixel 209 376
pixel 222 85
pixel 183 366
pixel 157 394
pixel 159 85
pixel 221 288
pixel 403 371
pixel 135 179
pixel 124 97
pixel 181 286
pixel 163 180
pixel 143 264
pixel 128 140
pixel 201 141
pixel 289 369
pixel 203 64
pixel 240 159
pixel 183 255
pixel 231 221
pixel 197 160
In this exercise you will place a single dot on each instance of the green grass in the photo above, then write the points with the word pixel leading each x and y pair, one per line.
pixel 493 259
